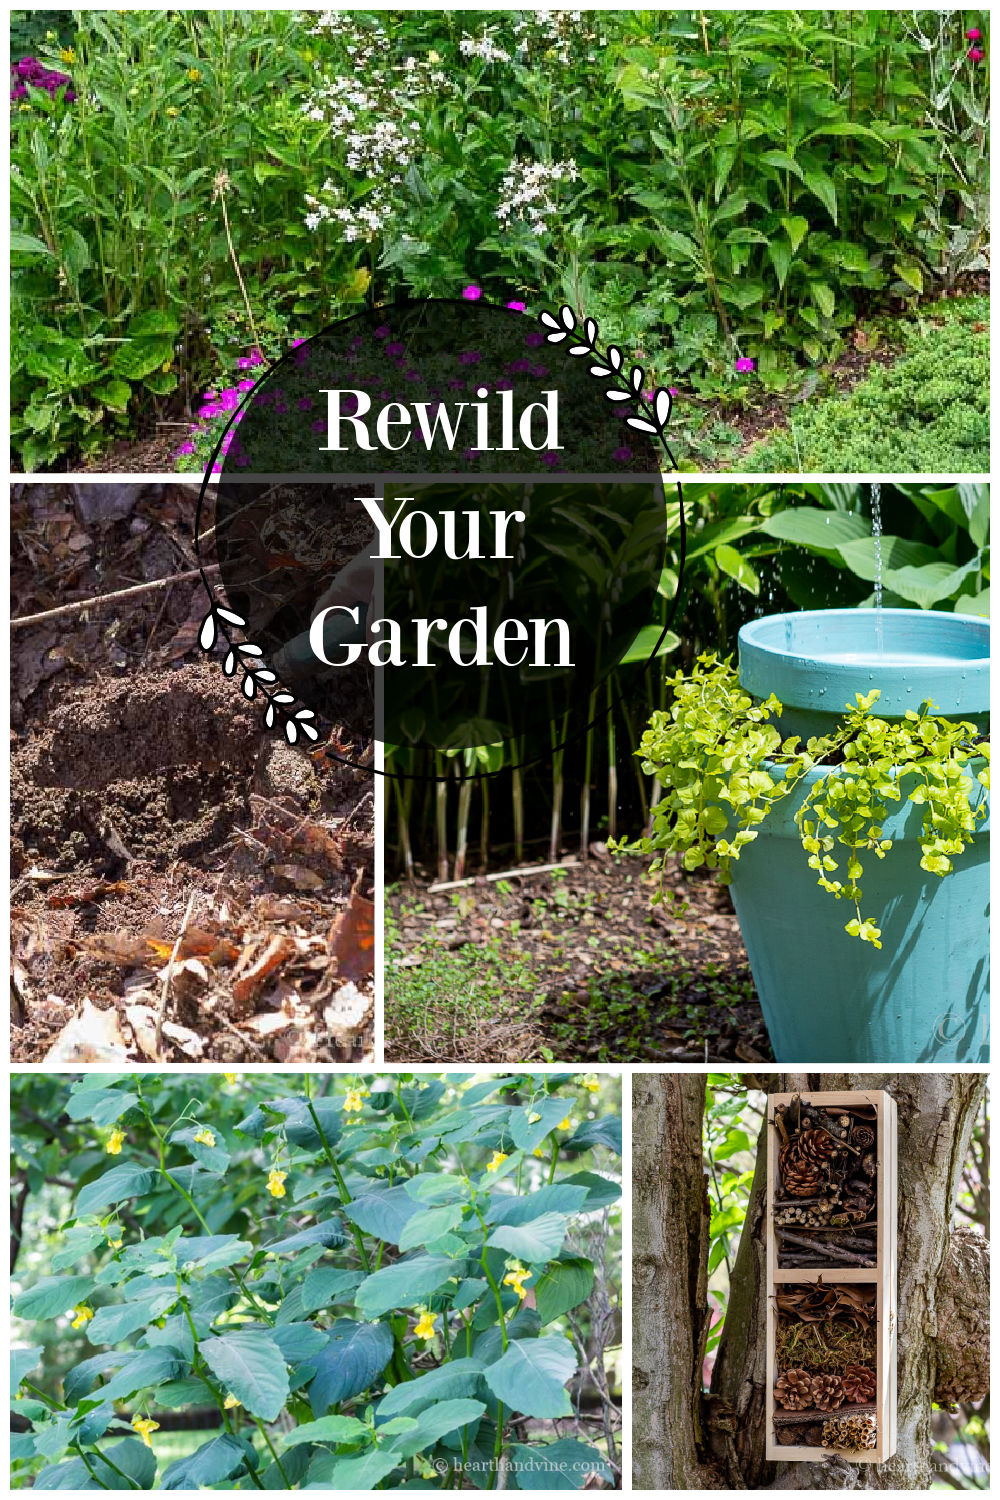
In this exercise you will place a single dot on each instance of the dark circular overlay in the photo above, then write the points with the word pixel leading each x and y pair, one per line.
pixel 442 534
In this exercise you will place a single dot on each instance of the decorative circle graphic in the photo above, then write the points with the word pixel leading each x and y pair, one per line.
pixel 443 527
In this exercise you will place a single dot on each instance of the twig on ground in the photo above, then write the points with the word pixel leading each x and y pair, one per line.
pixel 79 606
pixel 165 991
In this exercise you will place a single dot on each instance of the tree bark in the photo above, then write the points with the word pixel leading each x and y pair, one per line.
pixel 936 1115
pixel 670 1218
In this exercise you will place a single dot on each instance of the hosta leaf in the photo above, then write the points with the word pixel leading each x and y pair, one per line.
pixel 404 1284
pixel 535 1242
pixel 355 1354
pixel 52 1296
pixel 531 1376
pixel 562 1286
pixel 563 1465
pixel 121 1182
pixel 459 1377
pixel 209 1465
pixel 251 1367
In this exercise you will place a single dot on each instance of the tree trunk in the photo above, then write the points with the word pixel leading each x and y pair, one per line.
pixel 936 1115
pixel 670 1220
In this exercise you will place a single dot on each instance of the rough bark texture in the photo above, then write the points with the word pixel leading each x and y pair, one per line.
pixel 670 1220
pixel 936 1115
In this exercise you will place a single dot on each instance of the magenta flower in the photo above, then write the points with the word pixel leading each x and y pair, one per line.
pixel 973 34
pixel 622 455
pixel 318 427
pixel 470 357
pixel 305 403
pixel 516 306
pixel 550 458
pixel 533 340
pixel 472 293
pixel 673 390
pixel 245 385
pixel 383 331
pixel 975 54
pixel 297 342
pixel 745 366
pixel 185 449
pixel 204 412
pixel 395 348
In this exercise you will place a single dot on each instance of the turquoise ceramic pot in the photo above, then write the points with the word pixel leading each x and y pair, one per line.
pixel 828 997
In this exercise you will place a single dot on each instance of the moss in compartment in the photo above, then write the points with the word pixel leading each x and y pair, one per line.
pixel 826 1348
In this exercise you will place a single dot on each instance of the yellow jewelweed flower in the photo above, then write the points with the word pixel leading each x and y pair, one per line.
pixel 566 1124
pixel 83 1315
pixel 172 113
pixel 534 1118
pixel 116 1244
pixel 67 55
pixel 276 1183
pixel 205 1137
pixel 499 1157
pixel 144 1426
pixel 425 1326
pixel 591 1082
pixel 116 1141
pixel 230 1077
pixel 231 1401
pixel 354 1100
pixel 194 74
pixel 538 1152
pixel 516 1277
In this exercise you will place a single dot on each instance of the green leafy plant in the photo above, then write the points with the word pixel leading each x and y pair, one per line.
pixel 367 1288
pixel 724 766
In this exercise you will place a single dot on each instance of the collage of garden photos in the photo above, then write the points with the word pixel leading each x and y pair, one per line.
pixel 499 749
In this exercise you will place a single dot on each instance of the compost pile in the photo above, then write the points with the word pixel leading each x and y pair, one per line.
pixel 824 1211
pixel 186 887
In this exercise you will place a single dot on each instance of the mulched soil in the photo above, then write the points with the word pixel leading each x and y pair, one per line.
pixel 602 975
pixel 167 853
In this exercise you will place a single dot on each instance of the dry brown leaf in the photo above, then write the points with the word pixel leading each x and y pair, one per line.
pixel 253 972
pixel 300 876
pixel 352 939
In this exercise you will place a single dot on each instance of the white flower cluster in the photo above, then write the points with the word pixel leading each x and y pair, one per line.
pixel 527 192
pixel 484 47
pixel 372 113
pixel 555 32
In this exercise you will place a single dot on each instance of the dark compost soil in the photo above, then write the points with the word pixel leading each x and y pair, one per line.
pixel 169 857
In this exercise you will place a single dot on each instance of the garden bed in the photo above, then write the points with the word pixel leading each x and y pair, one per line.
pixel 172 864
pixel 571 965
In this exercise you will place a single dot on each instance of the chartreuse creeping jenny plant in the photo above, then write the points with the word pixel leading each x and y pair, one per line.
pixel 711 752
pixel 372 1288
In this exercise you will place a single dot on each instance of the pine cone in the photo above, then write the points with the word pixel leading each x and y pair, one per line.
pixel 853 1433
pixel 859 1384
pixel 827 1392
pixel 800 1177
pixel 793 1390
pixel 816 1145
pixel 863 1136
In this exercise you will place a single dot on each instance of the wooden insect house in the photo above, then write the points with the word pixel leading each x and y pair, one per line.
pixel 831 1276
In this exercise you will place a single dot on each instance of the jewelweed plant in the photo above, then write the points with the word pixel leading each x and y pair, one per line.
pixel 723 764
pixel 383 1285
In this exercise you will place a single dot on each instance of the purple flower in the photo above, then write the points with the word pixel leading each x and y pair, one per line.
pixel 973 34
pixel 622 455
pixel 243 460
pixel 673 390
pixel 211 410
pixel 975 54
pixel 305 403
pixel 550 459
pixel 516 306
pixel 395 348
pixel 383 331
pixel 504 385
pixel 469 357
pixel 519 366
pixel 297 342
pixel 472 293
pixel 745 366
pixel 245 385
pixel 534 340
pixel 185 449
pixel 318 427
